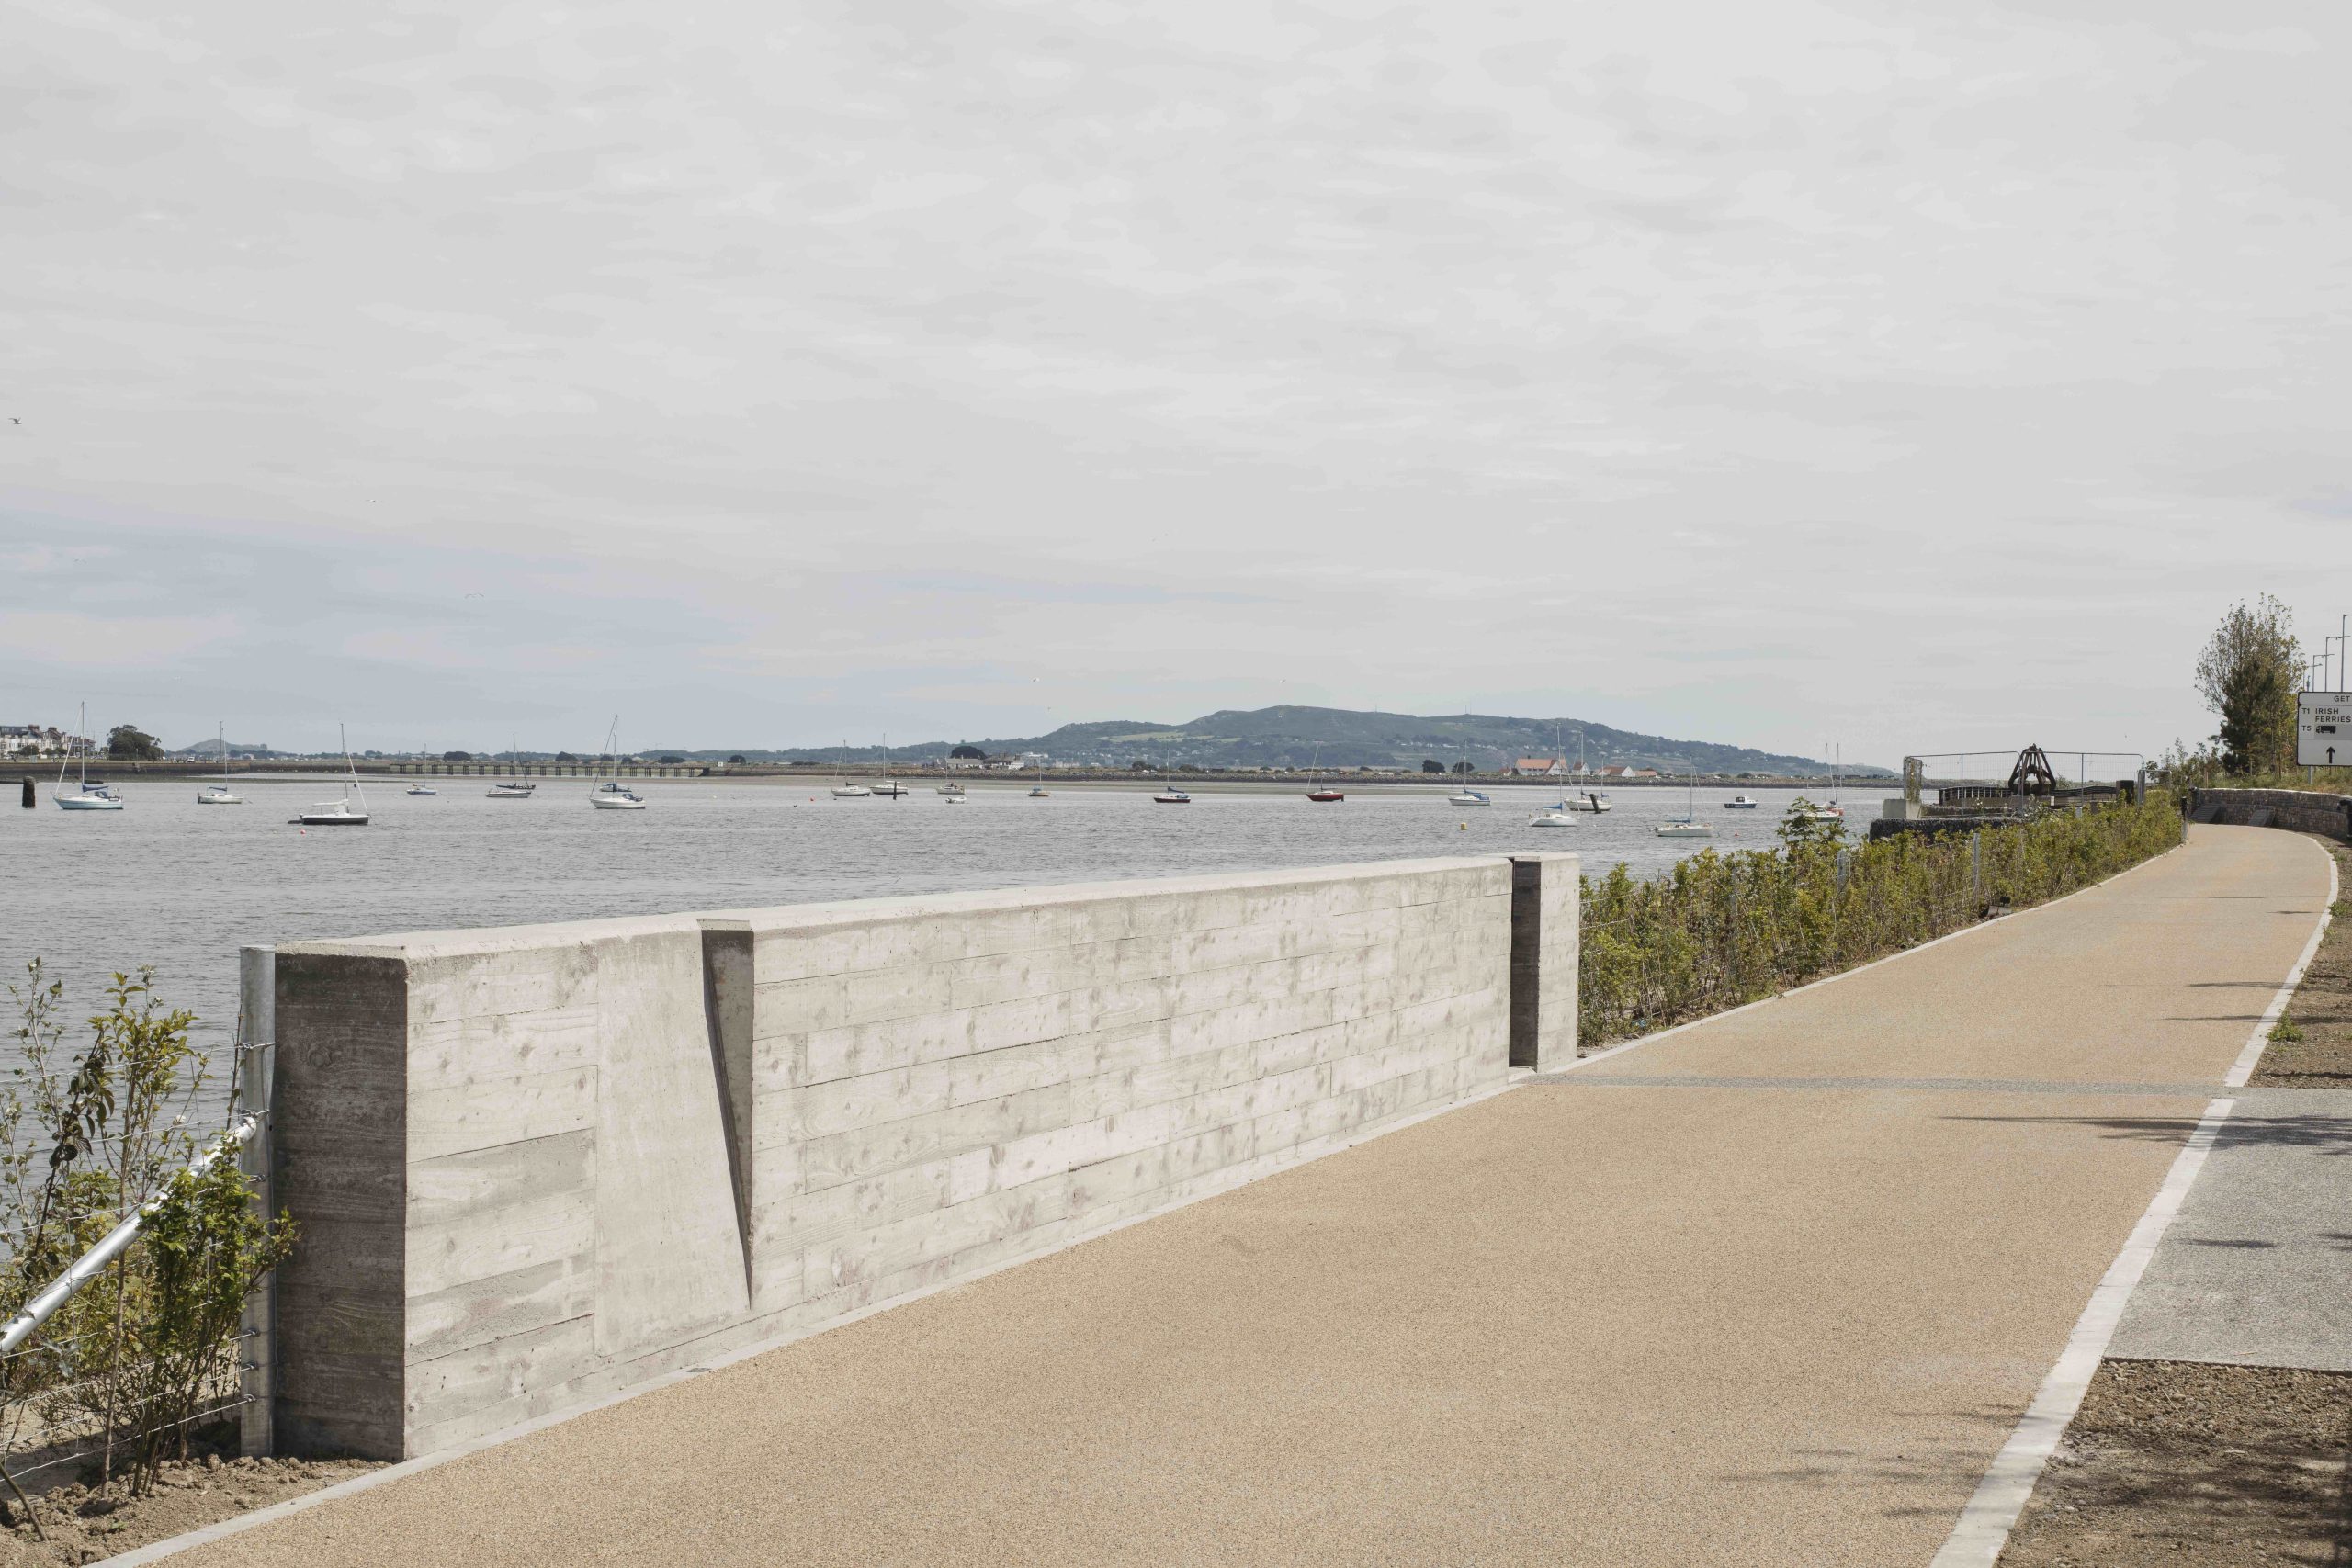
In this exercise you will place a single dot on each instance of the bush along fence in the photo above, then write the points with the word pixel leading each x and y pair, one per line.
pixel 130 1242
pixel 1723 930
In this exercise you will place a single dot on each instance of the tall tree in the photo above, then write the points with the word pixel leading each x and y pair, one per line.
pixel 2247 675
pixel 128 740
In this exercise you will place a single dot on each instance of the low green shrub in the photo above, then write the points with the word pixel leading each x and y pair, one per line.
pixel 1722 930
pixel 125 1369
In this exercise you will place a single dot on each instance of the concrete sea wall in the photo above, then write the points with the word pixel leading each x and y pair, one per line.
pixel 2299 810
pixel 538 1164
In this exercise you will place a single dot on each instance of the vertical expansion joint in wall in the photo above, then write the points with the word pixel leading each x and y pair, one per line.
pixel 1526 960
pixel 726 1014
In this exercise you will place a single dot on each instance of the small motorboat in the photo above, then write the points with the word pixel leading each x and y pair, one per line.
pixel 615 795
pixel 421 789
pixel 1805 811
pixel 1172 797
pixel 1742 803
pixel 1558 816
pixel 1467 797
pixel 958 798
pixel 1038 792
pixel 950 790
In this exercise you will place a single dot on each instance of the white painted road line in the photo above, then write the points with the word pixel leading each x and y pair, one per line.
pixel 1991 1512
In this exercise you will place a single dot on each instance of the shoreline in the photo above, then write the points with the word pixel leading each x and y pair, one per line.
pixel 442 775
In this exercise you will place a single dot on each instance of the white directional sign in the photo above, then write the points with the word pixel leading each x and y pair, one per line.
pixel 2323 730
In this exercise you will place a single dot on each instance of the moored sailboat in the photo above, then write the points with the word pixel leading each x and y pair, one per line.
pixel 221 794
pixel 86 796
pixel 612 795
pixel 340 813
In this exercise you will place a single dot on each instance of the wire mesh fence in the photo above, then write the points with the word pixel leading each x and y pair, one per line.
pixel 1719 930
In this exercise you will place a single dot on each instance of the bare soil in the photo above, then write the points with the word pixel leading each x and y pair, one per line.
pixel 2195 1466
pixel 2321 1010
pixel 82 1527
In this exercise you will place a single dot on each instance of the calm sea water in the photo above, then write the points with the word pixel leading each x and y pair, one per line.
pixel 181 886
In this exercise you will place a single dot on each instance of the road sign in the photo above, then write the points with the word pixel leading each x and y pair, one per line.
pixel 2323 730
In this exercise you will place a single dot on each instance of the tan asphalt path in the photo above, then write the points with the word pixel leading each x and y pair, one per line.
pixel 1580 1323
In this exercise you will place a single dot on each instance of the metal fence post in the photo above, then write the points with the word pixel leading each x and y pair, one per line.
pixel 1976 869
pixel 256 1083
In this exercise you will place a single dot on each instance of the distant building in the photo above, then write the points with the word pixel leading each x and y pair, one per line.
pixel 32 740
pixel 1539 767
pixel 1620 771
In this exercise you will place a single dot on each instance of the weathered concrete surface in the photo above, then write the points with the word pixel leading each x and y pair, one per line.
pixel 1631 1325
pixel 2257 1269
pixel 2296 811
pixel 594 1154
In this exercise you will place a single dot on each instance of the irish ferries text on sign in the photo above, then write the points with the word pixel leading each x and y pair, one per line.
pixel 2323 730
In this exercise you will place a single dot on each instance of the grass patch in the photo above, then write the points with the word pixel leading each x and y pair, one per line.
pixel 2285 1031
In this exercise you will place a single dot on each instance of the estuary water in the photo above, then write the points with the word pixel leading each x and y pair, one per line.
pixel 181 886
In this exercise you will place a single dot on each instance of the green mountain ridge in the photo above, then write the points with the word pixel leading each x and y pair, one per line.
pixel 1296 737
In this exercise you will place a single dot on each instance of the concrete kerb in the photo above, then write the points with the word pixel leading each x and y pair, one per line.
pixel 155 1552
pixel 1992 1511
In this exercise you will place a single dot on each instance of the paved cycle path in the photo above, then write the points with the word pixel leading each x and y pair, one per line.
pixel 1769 1290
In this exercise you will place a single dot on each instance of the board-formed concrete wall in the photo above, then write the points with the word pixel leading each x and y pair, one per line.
pixel 538 1164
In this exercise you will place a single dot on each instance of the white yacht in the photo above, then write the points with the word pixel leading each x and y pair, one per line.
pixel 612 795
pixel 422 789
pixel 951 789
pixel 221 794
pixel 847 791
pixel 891 789
pixel 1690 827
pixel 1828 811
pixel 84 795
pixel 1558 816
pixel 1742 803
pixel 515 788
pixel 1465 795
pixel 340 813
pixel 1593 800
pixel 1172 797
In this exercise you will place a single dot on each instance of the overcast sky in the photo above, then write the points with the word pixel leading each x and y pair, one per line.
pixel 1911 375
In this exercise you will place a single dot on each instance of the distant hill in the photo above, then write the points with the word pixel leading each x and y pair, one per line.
pixel 1292 736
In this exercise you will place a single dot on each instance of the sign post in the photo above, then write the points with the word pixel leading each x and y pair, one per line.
pixel 2323 730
